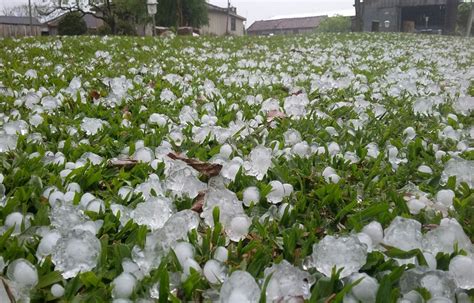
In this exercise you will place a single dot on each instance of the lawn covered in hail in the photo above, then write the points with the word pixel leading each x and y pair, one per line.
pixel 282 169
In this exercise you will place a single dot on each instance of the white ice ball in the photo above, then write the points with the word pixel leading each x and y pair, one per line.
pixel 251 194
pixel 221 254
pixel 183 251
pixel 23 272
pixel 57 290
pixel 123 285
pixel 214 272
pixel 445 197
pixel 375 231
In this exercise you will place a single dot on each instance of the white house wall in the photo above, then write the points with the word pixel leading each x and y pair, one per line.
pixel 218 25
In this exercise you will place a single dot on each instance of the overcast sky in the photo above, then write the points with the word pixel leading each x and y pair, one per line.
pixel 265 9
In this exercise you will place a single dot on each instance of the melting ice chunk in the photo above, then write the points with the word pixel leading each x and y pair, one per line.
pixel 260 160
pixel 183 180
pixel 123 285
pixel 287 283
pixel 464 105
pixel 77 251
pixel 92 126
pixel 404 234
pixel 154 212
pixel 240 287
pixel 366 290
pixel 445 237
pixel 295 106
pixel 438 283
pixel 23 273
pixel 461 169
pixel 214 271
pixel 462 269
pixel 251 194
pixel 7 142
pixel 144 154
pixel 16 127
pixel 345 252
pixel 47 244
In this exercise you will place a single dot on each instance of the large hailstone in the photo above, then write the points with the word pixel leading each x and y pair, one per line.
pixel 154 212
pixel 404 234
pixel 439 283
pixel 214 271
pixel 77 251
pixel 461 169
pixel 462 269
pixel 22 272
pixel 278 192
pixel 287 283
pixel 366 290
pixel 240 287
pixel 445 237
pixel 123 286
pixel 345 252
pixel 260 160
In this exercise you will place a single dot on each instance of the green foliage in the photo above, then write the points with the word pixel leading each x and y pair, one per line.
pixel 464 9
pixel 72 24
pixel 175 13
pixel 336 24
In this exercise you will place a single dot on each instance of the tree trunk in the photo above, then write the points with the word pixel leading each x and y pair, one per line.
pixel 179 13
pixel 469 21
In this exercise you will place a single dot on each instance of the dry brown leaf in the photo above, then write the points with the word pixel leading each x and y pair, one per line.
pixel 430 226
pixel 207 169
pixel 94 95
pixel 198 202
pixel 125 163
pixel 298 92
pixel 273 114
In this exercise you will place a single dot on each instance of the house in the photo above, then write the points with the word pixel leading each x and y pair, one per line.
pixel 93 24
pixel 223 21
pixel 15 26
pixel 285 26
pixel 431 16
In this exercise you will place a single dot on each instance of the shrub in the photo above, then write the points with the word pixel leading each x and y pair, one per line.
pixel 336 24
pixel 72 24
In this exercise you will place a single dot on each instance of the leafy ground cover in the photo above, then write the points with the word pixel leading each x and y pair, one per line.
pixel 310 168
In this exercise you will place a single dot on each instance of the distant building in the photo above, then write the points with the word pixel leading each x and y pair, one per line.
pixel 93 24
pixel 285 26
pixel 436 16
pixel 223 21
pixel 13 26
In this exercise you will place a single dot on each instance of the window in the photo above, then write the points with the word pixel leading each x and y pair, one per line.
pixel 233 24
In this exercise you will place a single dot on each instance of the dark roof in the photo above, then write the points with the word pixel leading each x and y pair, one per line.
pixel 232 12
pixel 18 20
pixel 287 23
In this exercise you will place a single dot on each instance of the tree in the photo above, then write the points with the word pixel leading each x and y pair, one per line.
pixel 182 13
pixel 464 11
pixel 116 14
pixel 336 24
pixel 21 10
pixel 469 20
pixel 101 9
pixel 72 24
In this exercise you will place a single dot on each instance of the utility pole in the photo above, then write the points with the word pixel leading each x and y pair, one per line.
pixel 228 13
pixel 469 20
pixel 31 17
